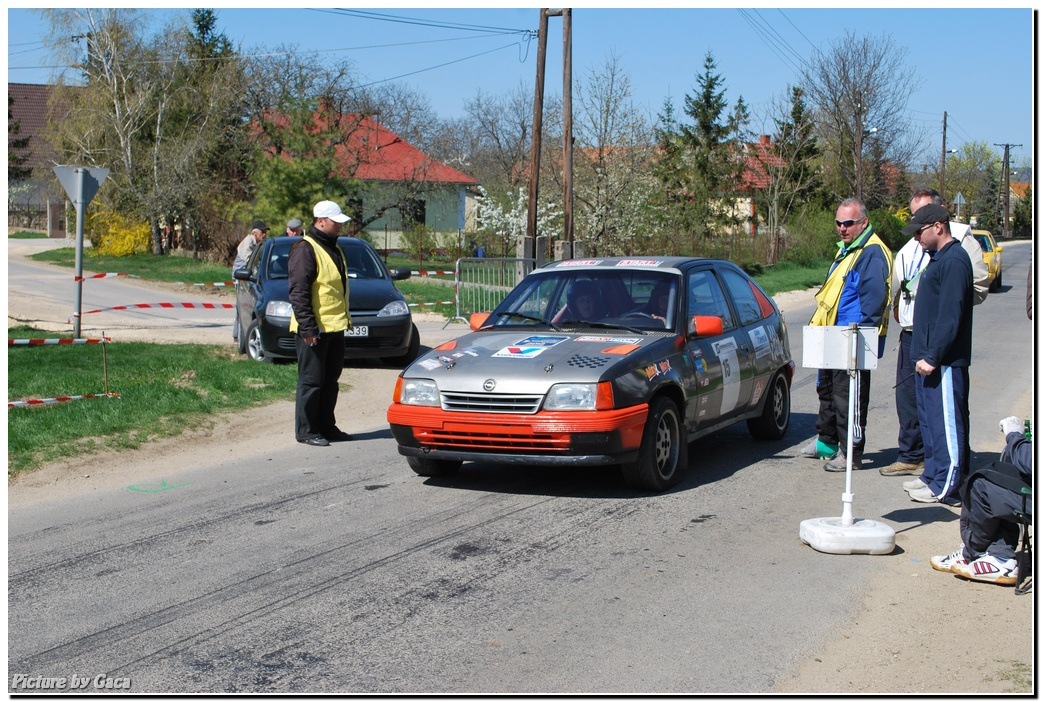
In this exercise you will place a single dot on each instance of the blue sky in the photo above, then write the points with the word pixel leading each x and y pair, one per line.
pixel 975 64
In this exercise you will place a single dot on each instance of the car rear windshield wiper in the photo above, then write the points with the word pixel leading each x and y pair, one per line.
pixel 540 320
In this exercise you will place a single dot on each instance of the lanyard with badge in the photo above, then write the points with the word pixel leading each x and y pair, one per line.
pixel 912 277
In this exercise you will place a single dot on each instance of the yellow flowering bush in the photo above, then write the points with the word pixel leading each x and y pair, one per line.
pixel 112 234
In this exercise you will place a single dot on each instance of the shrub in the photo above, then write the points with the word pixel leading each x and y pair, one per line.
pixel 112 234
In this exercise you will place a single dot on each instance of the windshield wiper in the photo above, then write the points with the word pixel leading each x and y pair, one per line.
pixel 539 320
pixel 606 325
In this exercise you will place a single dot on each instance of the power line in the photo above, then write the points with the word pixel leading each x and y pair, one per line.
pixel 426 23
pixel 771 43
pixel 797 29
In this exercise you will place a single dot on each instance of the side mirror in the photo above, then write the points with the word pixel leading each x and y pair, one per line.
pixel 704 325
pixel 998 249
pixel 241 274
pixel 400 273
pixel 477 320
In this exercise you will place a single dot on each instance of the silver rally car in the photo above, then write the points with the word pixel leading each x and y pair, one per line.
pixel 607 361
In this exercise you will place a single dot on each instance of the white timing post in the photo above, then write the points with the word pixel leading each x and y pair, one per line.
pixel 851 349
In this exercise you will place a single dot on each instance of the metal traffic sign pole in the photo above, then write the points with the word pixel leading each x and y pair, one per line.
pixel 81 185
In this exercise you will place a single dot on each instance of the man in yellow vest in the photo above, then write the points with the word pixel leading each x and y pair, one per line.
pixel 855 291
pixel 319 295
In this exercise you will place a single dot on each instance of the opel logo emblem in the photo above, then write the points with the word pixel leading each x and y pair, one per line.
pixel 489 385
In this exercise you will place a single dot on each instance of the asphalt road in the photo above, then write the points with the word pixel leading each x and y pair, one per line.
pixel 342 571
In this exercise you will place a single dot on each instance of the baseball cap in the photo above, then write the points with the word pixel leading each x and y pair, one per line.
pixel 330 210
pixel 926 214
pixel 258 225
pixel 294 223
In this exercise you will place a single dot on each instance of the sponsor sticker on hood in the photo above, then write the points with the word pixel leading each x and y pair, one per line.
pixel 610 339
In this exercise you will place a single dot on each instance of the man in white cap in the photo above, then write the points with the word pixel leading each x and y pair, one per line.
pixel 319 295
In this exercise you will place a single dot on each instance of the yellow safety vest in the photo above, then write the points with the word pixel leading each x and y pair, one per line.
pixel 329 293
pixel 828 296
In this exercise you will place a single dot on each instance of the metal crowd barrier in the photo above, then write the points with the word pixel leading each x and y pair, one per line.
pixel 482 283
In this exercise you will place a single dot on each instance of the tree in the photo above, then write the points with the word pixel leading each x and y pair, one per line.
pixel 147 111
pixel 17 149
pixel 705 158
pixel 970 172
pixel 500 129
pixel 860 89
pixel 1023 214
pixel 790 164
pixel 509 222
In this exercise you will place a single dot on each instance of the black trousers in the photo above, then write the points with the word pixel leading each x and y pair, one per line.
pixel 833 416
pixel 909 439
pixel 318 384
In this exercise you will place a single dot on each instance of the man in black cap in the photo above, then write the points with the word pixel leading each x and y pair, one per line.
pixel 258 230
pixel 941 349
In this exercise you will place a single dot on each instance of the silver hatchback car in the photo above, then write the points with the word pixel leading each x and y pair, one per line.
pixel 607 361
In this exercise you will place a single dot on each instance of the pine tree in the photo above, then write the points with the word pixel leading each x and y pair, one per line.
pixel 17 156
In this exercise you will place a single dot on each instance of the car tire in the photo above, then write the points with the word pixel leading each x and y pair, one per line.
pixel 433 468
pixel 254 343
pixel 772 424
pixel 996 284
pixel 241 342
pixel 663 449
pixel 410 355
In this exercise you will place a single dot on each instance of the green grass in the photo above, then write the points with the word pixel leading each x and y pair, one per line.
pixel 148 266
pixel 164 389
pixel 22 234
pixel 785 276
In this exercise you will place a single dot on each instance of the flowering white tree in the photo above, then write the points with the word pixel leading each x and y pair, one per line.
pixel 509 221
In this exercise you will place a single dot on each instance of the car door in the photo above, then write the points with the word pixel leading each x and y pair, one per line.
pixel 719 361
pixel 759 358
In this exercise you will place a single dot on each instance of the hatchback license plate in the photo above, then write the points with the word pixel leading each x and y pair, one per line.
pixel 357 331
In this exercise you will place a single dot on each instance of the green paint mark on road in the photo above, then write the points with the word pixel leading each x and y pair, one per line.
pixel 161 487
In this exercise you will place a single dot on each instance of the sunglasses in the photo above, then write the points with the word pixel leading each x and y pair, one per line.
pixel 846 224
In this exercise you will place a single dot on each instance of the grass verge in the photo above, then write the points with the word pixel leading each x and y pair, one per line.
pixel 164 389
pixel 169 269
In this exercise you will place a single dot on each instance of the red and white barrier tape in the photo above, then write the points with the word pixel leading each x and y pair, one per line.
pixel 428 304
pixel 63 398
pixel 130 275
pixel 164 305
pixel 35 342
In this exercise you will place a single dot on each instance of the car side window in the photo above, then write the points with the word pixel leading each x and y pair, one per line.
pixel 745 301
pixel 705 297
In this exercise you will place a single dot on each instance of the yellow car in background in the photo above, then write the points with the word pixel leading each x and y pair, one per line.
pixel 991 256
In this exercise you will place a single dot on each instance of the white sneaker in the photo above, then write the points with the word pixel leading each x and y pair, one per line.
pixel 988 569
pixel 945 563
pixel 913 485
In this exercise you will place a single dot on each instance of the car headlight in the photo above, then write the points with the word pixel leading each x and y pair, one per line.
pixel 417 391
pixel 397 308
pixel 571 396
pixel 279 308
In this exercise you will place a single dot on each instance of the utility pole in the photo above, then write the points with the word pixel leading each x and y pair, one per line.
pixel 1006 190
pixel 536 135
pixel 943 159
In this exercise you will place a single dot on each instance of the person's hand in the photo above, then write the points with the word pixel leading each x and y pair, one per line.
pixel 311 340
pixel 924 367
pixel 1009 425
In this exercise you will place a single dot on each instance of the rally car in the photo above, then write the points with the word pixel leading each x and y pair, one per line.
pixel 603 361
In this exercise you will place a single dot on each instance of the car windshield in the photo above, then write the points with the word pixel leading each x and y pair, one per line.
pixel 984 242
pixel 605 297
pixel 361 261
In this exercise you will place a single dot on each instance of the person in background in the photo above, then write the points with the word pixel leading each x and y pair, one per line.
pixel 908 265
pixel 991 496
pixel 855 291
pixel 294 227
pixel 318 291
pixel 584 302
pixel 258 230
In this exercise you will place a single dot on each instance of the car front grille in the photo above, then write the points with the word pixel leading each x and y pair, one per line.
pixel 498 439
pixel 489 402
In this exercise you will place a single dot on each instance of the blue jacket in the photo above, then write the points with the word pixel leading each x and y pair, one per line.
pixel 943 310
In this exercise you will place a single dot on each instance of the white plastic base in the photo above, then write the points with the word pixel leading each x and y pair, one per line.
pixel 830 535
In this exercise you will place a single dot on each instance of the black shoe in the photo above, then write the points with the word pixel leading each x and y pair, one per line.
pixel 314 441
pixel 335 434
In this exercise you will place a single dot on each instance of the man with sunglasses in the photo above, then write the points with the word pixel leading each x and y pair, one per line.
pixel 855 291
pixel 908 265
pixel 941 350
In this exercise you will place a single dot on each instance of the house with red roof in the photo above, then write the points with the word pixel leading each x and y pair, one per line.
pixel 30 200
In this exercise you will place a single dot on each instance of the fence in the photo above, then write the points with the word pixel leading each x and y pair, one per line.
pixel 482 283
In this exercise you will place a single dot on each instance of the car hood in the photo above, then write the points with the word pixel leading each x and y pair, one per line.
pixel 527 362
pixel 367 295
